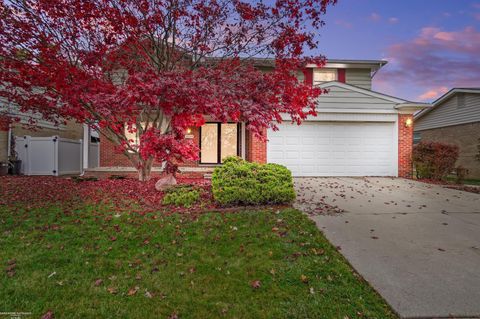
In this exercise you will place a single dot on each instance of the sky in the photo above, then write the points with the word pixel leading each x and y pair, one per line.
pixel 431 45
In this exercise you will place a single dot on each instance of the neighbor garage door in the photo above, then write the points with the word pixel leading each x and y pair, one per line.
pixel 335 148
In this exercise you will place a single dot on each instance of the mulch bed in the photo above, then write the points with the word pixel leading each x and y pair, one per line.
pixel 125 194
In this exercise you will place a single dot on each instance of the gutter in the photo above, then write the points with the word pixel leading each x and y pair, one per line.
pixel 411 108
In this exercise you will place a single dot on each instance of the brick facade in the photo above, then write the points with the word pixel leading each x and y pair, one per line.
pixel 466 137
pixel 405 146
pixel 111 157
pixel 3 144
pixel 256 148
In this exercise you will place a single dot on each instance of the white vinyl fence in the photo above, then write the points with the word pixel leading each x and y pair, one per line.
pixel 49 155
pixel 93 155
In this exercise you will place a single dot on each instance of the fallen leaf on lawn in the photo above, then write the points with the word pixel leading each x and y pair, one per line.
pixel 112 290
pixel 48 315
pixel 11 267
pixel 312 291
pixel 133 291
pixel 173 316
pixel 255 284
pixel 138 277
pixel 304 279
pixel 52 274
pixel 98 282
pixel 272 271
pixel 148 294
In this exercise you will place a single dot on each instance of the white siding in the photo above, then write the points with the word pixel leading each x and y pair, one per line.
pixel 341 98
pixel 449 113
pixel 359 77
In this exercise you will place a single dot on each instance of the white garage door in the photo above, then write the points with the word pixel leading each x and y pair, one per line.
pixel 335 148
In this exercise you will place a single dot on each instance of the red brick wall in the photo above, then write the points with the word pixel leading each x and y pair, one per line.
pixel 256 151
pixel 109 156
pixel 256 148
pixel 405 146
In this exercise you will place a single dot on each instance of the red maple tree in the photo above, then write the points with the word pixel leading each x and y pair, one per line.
pixel 157 67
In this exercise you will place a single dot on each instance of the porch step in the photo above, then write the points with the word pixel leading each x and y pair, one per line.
pixel 207 175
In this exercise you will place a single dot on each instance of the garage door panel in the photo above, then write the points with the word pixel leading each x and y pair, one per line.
pixel 334 149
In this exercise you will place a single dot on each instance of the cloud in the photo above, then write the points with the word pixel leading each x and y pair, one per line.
pixel 343 23
pixel 476 5
pixel 477 16
pixel 393 20
pixel 435 59
pixel 375 16
pixel 432 93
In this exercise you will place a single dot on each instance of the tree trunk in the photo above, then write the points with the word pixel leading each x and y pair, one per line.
pixel 144 169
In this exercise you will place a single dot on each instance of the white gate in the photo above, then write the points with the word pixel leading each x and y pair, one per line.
pixel 93 155
pixel 49 155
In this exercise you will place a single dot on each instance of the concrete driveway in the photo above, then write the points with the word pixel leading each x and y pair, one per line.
pixel 417 244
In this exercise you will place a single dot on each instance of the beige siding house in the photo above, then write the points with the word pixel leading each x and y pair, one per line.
pixel 454 119
pixel 70 130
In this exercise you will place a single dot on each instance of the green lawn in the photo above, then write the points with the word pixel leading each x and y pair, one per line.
pixel 90 262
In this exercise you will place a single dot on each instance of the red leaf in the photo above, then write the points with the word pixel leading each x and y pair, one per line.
pixel 48 315
pixel 255 284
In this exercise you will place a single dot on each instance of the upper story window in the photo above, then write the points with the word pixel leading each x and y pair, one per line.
pixel 324 75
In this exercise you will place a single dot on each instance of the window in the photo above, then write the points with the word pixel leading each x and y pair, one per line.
pixel 324 75
pixel 133 136
pixel 218 141
pixel 417 137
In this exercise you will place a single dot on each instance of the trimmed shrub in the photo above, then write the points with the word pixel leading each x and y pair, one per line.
pixel 238 182
pixel 182 195
pixel 434 160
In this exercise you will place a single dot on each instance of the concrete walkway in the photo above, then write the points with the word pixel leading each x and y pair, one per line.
pixel 417 244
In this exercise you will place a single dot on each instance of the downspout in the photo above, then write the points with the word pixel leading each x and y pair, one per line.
pixel 85 148
pixel 9 140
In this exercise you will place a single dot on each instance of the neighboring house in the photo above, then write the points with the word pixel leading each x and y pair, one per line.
pixel 358 132
pixel 455 119
pixel 42 158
